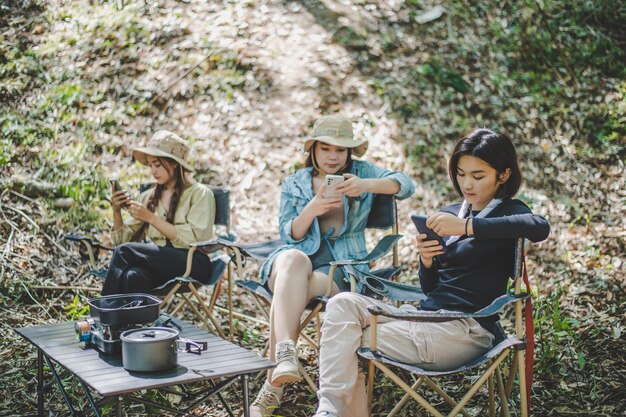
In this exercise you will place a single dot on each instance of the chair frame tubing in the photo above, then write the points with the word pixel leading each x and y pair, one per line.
pixel 517 366
pixel 186 300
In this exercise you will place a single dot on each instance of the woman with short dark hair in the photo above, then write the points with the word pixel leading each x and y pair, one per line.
pixel 466 276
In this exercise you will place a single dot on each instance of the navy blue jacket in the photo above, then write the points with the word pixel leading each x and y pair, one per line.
pixel 474 270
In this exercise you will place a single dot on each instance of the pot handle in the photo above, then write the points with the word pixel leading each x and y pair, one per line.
pixel 191 346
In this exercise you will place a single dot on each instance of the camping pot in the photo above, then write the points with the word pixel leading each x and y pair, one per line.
pixel 152 349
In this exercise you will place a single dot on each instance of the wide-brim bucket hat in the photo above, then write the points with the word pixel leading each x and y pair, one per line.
pixel 335 130
pixel 165 144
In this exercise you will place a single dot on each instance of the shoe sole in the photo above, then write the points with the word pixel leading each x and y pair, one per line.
pixel 286 379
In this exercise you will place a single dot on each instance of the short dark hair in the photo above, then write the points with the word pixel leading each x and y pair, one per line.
pixel 497 150
pixel 311 162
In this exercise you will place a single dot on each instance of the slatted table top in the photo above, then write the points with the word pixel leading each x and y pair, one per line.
pixel 106 375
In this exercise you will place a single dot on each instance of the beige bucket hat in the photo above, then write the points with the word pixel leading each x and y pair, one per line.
pixel 165 144
pixel 335 130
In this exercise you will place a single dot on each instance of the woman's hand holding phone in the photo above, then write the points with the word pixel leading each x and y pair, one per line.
pixel 428 249
pixel 353 186
pixel 319 205
pixel 429 243
pixel 119 197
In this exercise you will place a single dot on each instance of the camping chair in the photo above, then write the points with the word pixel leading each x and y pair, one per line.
pixel 491 361
pixel 178 291
pixel 383 216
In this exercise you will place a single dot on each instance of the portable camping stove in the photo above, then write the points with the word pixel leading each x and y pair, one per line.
pixel 111 315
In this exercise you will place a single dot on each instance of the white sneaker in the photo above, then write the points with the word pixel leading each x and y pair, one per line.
pixel 267 401
pixel 287 359
pixel 325 414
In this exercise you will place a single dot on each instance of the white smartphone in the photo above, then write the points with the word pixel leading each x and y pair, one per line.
pixel 331 182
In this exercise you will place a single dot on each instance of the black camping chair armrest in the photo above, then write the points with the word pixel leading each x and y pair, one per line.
pixel 379 288
pixel 240 251
pixel 84 239
pixel 259 250
pixel 213 245
pixel 382 248
pixel 436 316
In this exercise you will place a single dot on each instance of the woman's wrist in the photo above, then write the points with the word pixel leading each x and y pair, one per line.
pixel 370 184
pixel 381 186
pixel 306 214
pixel 469 227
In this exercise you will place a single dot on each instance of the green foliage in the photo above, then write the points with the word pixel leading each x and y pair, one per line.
pixel 76 309
pixel 18 70
pixel 6 151
pixel 559 57
pixel 436 72
pixel 557 334
pixel 550 73
pixel 55 133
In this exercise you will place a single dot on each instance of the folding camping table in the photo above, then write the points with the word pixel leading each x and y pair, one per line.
pixel 103 375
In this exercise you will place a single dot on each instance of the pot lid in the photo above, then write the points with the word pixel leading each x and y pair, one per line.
pixel 149 334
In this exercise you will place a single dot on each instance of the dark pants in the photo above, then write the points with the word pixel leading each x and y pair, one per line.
pixel 141 267
pixel 321 260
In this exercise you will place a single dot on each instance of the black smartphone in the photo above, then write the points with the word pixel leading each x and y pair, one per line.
pixel 118 187
pixel 420 224
pixel 116 184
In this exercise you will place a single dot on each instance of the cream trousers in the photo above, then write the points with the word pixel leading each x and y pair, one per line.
pixel 433 346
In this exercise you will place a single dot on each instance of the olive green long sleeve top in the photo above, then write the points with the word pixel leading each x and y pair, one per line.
pixel 194 219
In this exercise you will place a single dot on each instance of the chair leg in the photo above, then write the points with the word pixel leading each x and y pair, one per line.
pixel 402 403
pixel 180 305
pixel 444 395
pixel 262 305
pixel 170 295
pixel 511 377
pixel 306 321
pixel 310 340
pixel 318 329
pixel 309 317
pixel 229 275
pixel 492 402
pixel 504 400
pixel 195 311
pixel 522 383
pixel 311 385
pixel 371 370
pixel 418 398
pixel 209 313
pixel 479 383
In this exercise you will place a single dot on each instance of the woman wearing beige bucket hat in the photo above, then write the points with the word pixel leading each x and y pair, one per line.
pixel 317 230
pixel 175 212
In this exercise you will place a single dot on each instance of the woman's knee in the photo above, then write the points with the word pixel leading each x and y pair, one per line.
pixel 122 253
pixel 293 260
pixel 126 249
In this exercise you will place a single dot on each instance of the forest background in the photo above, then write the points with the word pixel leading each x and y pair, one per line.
pixel 83 81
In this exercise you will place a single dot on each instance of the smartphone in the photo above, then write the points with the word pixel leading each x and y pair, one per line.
pixel 118 187
pixel 331 182
pixel 420 224
pixel 116 184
